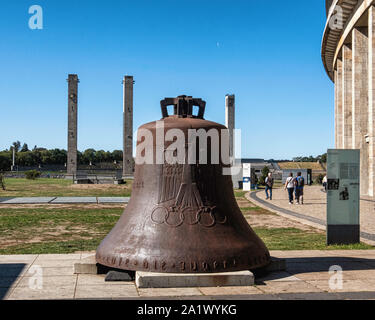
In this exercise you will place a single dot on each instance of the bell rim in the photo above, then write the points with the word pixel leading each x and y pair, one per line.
pixel 255 262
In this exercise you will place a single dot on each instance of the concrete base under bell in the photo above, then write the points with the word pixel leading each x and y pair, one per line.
pixel 168 280
pixel 178 280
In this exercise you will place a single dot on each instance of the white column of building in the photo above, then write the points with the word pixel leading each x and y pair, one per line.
pixel 347 96
pixel 338 106
pixel 336 89
pixel 371 96
pixel 360 101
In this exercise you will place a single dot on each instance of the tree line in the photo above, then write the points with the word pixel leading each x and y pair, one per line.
pixel 42 156
pixel 322 158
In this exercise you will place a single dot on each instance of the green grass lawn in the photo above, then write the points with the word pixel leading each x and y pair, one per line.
pixel 296 239
pixel 54 230
pixel 66 229
pixel 76 228
pixel 44 187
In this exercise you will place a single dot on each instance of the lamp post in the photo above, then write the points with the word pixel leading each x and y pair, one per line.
pixel 13 159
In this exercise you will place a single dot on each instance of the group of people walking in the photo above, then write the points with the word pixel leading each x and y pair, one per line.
pixel 295 186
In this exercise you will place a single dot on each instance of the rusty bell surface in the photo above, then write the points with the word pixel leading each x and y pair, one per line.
pixel 182 218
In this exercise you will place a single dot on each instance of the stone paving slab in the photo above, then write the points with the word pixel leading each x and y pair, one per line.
pixel 306 277
pixel 48 281
pixel 28 200
pixel 105 291
pixel 21 258
pixel 213 291
pixel 50 292
pixel 56 271
pixel 98 279
pixel 169 292
pixel 113 199
pixel 64 200
pixel 55 257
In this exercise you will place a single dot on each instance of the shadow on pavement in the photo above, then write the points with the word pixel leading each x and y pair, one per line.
pixel 5 198
pixel 9 273
pixel 295 266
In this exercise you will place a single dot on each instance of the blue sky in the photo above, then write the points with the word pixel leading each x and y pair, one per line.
pixel 265 52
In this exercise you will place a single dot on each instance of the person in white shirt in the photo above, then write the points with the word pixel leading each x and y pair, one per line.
pixel 325 183
pixel 289 185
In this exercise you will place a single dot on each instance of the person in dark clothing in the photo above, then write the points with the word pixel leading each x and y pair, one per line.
pixel 269 186
pixel 299 186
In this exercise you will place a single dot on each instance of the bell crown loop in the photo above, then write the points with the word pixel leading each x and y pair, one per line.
pixel 183 107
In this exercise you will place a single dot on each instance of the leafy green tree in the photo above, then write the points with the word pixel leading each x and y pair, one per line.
pixel 25 158
pixel 58 156
pixel 117 155
pixel 5 160
pixel 2 184
pixel 79 157
pixel 262 179
pixel 100 156
pixel 24 147
pixel 32 174
pixel 88 156
pixel 16 145
pixel 323 158
pixel 37 157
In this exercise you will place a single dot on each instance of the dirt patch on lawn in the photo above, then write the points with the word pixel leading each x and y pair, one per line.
pixel 243 203
pixel 276 222
pixel 62 232
pixel 99 187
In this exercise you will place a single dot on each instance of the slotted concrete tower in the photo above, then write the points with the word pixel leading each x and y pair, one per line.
pixel 72 124
pixel 127 166
pixel 230 121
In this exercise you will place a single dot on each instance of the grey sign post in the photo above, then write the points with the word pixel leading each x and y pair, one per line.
pixel 343 197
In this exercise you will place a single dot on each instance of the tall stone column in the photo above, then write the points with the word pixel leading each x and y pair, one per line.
pixel 71 166
pixel 338 106
pixel 371 96
pixel 127 165
pixel 347 96
pixel 360 101
pixel 230 107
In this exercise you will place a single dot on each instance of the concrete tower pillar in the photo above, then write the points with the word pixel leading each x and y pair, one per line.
pixel 360 101
pixel 347 96
pixel 230 122
pixel 72 124
pixel 127 166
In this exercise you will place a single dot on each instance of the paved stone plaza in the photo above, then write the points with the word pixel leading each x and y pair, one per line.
pixel 313 212
pixel 306 277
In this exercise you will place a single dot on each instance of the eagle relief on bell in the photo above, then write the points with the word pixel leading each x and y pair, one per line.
pixel 182 216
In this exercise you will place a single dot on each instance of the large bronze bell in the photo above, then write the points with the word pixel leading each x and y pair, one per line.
pixel 182 218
